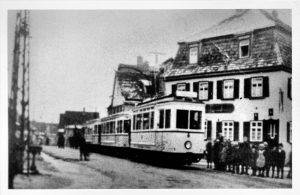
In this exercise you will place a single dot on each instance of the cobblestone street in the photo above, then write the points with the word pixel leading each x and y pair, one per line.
pixel 61 168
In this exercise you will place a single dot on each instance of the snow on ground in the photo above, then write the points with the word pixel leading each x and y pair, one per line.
pixel 61 168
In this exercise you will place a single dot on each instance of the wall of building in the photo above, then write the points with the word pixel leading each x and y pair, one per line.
pixel 245 108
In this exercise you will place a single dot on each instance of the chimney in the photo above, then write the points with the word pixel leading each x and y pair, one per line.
pixel 139 60
pixel 83 109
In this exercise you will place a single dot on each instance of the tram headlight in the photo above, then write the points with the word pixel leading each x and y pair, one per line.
pixel 188 145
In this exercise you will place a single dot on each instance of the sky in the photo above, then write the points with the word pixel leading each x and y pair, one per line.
pixel 74 54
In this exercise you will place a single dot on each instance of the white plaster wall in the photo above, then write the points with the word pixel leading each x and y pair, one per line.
pixel 245 108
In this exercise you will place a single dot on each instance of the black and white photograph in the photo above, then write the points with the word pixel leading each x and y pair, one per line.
pixel 147 98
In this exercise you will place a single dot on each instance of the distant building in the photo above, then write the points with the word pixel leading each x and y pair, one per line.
pixel 241 68
pixel 132 84
pixel 76 118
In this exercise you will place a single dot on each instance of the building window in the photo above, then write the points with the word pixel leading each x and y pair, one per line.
pixel 228 130
pixel 203 90
pixel 256 131
pixel 228 89
pixel 193 58
pixel 257 87
pixel 244 48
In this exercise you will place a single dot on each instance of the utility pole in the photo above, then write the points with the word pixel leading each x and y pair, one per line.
pixel 156 54
pixel 20 69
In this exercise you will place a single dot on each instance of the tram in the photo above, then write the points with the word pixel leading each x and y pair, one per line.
pixel 169 128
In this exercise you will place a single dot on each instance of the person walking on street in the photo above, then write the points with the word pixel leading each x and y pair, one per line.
pixel 82 147
pixel 280 160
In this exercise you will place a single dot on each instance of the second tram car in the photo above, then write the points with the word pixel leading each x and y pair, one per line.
pixel 168 129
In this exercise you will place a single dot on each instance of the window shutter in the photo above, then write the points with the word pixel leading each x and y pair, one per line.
pixel 210 90
pixel 196 88
pixel 187 86
pixel 289 88
pixel 208 128
pixel 236 131
pixel 236 88
pixel 247 88
pixel 288 132
pixel 219 89
pixel 266 86
pixel 247 129
pixel 219 128
pixel 174 88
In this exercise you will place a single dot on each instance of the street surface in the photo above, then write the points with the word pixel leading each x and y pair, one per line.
pixel 61 168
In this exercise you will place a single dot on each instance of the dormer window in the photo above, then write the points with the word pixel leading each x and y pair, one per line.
pixel 244 48
pixel 193 57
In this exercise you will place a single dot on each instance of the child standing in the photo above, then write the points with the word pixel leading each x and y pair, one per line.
pixel 261 160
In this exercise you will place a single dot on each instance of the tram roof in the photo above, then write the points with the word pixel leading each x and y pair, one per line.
pixel 170 98
pixel 114 116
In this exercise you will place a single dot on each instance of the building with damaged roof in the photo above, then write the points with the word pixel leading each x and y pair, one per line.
pixel 241 68
pixel 133 84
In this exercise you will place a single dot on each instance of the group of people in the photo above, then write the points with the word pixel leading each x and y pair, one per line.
pixel 76 141
pixel 239 158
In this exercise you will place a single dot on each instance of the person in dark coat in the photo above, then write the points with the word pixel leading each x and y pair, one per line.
pixel 82 147
pixel 253 157
pixel 61 140
pixel 268 158
pixel 280 160
pixel 209 154
pixel 229 157
pixel 273 158
pixel 245 155
pixel 217 147
pixel 236 157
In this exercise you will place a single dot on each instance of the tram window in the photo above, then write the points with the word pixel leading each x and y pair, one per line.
pixel 161 119
pixel 113 127
pixel 195 119
pixel 121 127
pixel 126 126
pixel 139 122
pixel 146 121
pixel 134 122
pixel 168 118
pixel 182 119
pixel 151 120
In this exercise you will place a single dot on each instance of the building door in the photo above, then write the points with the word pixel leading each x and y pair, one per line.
pixel 271 132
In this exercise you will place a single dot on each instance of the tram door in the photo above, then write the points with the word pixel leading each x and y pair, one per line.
pixel 99 133
pixel 127 125
pixel 271 132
